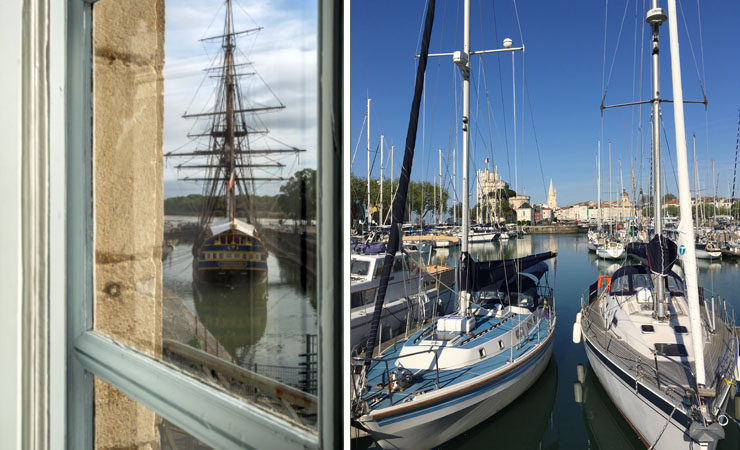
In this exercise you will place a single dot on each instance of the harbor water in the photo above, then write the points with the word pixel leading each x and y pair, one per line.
pixel 547 415
pixel 264 326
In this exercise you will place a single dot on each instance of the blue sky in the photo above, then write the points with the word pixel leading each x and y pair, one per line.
pixel 284 55
pixel 563 67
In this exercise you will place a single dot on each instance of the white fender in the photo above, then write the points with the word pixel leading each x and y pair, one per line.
pixel 577 329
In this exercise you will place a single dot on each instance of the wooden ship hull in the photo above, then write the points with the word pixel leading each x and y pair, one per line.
pixel 233 253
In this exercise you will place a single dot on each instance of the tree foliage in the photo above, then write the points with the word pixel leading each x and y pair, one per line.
pixel 297 199
pixel 421 198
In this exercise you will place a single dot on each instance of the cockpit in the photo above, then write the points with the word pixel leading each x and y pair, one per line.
pixel 629 280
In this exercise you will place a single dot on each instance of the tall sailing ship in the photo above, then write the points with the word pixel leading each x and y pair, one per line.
pixel 231 155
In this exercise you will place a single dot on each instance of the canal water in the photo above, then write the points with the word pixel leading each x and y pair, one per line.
pixel 264 325
pixel 547 416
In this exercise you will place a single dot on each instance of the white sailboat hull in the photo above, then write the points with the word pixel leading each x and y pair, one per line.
pixel 605 252
pixel 645 417
pixel 704 254
pixel 431 427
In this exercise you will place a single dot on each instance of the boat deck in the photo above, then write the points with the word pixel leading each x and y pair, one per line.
pixel 424 381
pixel 670 377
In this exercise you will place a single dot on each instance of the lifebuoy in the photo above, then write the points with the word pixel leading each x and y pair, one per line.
pixel 608 280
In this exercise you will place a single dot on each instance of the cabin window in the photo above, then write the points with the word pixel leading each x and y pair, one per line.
pixel 359 268
pixel 648 329
pixel 680 329
pixel 620 285
pixel 132 76
pixel 501 345
pixel 398 264
pixel 378 268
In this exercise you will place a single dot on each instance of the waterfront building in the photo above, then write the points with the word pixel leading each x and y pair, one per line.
pixel 525 213
pixel 543 214
pixel 488 183
pixel 518 201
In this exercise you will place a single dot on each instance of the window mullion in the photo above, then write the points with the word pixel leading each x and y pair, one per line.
pixel 216 418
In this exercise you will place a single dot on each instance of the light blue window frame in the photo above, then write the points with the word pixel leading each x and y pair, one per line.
pixel 215 418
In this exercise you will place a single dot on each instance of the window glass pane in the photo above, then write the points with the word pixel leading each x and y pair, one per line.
pixel 121 422
pixel 204 149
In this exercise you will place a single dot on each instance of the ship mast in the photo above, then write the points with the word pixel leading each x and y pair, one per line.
pixel 228 45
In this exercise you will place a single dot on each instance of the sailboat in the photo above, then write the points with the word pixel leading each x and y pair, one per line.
pixel 230 250
pixel 666 356
pixel 462 368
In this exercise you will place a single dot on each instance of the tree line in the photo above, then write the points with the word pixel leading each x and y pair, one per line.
pixel 296 200
pixel 422 199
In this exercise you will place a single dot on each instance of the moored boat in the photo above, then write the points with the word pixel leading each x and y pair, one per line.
pixel 665 355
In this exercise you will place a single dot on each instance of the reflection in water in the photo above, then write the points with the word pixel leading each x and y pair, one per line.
pixel 235 316
pixel 527 423
pixel 605 425
pixel 604 266
pixel 297 276
pixel 575 272
pixel 266 324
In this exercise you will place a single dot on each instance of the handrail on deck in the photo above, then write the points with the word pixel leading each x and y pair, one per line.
pixel 265 384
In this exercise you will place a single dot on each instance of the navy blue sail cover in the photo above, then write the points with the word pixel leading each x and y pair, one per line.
pixel 661 254
pixel 498 274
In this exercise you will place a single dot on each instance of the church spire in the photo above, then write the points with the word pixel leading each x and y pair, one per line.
pixel 552 202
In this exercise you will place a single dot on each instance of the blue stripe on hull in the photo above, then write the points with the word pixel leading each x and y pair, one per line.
pixel 491 385
pixel 232 248
pixel 646 393
pixel 233 266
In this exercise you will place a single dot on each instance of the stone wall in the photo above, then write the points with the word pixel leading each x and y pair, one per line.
pixel 128 52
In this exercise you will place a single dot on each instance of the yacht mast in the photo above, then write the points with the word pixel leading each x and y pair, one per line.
pixel 611 206
pixel 441 208
pixel 598 180
pixel 656 17
pixel 686 228
pixel 463 62
pixel 380 216
pixel 454 185
pixel 696 185
pixel 367 211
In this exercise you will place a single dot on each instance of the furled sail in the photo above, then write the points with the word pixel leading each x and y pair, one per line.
pixel 488 275
pixel 399 203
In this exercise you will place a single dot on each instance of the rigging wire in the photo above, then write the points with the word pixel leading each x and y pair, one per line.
pixel 616 48
pixel 534 131
pixel 362 131
pixel 501 91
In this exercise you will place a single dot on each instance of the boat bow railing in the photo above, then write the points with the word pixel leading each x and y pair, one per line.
pixel 360 361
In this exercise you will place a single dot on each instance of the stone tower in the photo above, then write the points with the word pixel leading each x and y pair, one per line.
pixel 552 201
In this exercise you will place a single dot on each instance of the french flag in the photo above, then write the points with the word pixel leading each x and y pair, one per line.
pixel 485 161
pixel 231 181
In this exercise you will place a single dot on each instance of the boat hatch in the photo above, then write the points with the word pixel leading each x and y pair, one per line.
pixel 442 337
pixel 671 349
